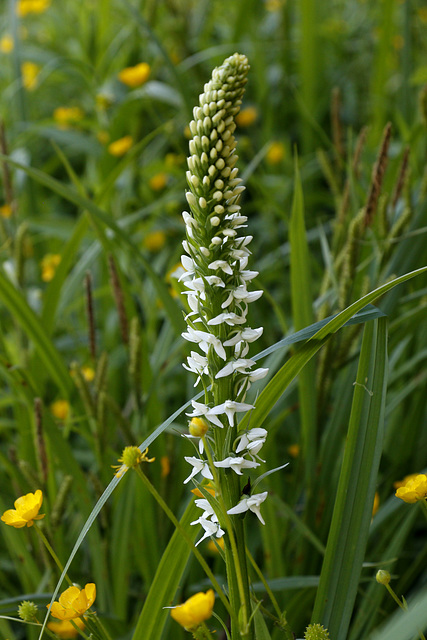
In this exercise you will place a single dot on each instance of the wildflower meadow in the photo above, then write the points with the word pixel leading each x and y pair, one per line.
pixel 213 320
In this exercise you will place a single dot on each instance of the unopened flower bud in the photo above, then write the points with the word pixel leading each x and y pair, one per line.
pixel 198 427
pixel 383 577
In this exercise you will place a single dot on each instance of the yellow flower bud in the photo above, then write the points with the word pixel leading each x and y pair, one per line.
pixel 198 427
pixel 135 76
pixel 121 146
pixel 415 489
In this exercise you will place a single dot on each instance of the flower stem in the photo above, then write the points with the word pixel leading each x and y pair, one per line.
pixel 52 553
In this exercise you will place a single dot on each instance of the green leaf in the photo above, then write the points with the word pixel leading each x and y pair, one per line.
pixel 355 496
pixel 302 313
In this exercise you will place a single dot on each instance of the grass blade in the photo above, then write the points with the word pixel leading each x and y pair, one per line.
pixel 353 508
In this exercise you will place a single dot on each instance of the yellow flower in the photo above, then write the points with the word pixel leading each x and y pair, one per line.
pixel 212 546
pixel 74 602
pixel 247 117
pixel 132 457
pixel 165 465
pixel 195 610
pixel 155 240
pixel 275 153
pixel 24 7
pixel 209 488
pixel 65 628
pixel 30 73
pixel 402 483
pixel 60 409
pixel 415 489
pixel 135 76
pixel 6 211
pixel 26 510
pixel 6 44
pixel 158 182
pixel 68 115
pixel 88 373
pixel 294 450
pixel 121 146
pixel 48 264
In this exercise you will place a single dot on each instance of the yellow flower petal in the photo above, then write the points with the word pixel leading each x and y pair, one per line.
pixel 26 510
pixel 195 610
pixel 121 146
pixel 415 489
pixel 65 629
pixel 74 602
pixel 135 76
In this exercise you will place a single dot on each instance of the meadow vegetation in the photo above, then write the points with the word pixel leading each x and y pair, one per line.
pixel 96 125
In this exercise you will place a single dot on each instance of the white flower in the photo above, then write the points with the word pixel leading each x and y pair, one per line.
pixel 237 464
pixel 239 365
pixel 199 466
pixel 246 335
pixel 250 504
pixel 221 264
pixel 208 512
pixel 204 339
pixel 252 441
pixel 211 528
pixel 201 443
pixel 201 409
pixel 229 318
pixel 229 407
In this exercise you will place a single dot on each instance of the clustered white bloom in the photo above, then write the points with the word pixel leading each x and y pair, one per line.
pixel 216 276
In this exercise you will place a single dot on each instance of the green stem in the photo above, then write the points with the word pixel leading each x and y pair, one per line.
pixel 178 526
pixel 52 553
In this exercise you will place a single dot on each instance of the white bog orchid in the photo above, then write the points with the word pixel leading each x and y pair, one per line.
pixel 250 504
pixel 237 464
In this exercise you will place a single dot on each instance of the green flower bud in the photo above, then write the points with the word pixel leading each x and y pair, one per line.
pixel 27 611
pixel 316 632
pixel 383 577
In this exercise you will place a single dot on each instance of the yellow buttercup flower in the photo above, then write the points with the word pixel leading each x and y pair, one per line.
pixel 208 487
pixel 6 211
pixel 165 465
pixel 135 76
pixel 213 542
pixel 74 602
pixel 65 628
pixel 6 44
pixel 88 373
pixel 158 181
pixel 30 74
pixel 275 153
pixel 402 483
pixel 26 511
pixel 246 117
pixel 60 409
pixel 68 115
pixel 195 610
pixel 25 7
pixel 121 146
pixel 155 240
pixel 49 264
pixel 415 489
pixel 294 450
